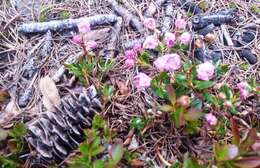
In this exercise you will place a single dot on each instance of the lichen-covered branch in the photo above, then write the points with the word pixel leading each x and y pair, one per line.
pixel 59 25
pixel 167 21
pixel 111 50
pixel 130 44
pixel 127 15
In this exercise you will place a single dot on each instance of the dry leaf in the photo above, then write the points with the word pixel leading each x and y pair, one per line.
pixel 9 113
pixel 98 35
pixel 124 90
pixel 4 95
pixel 51 97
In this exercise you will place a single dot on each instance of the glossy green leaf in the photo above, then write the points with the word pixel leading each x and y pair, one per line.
pixel 176 116
pixel 201 85
pixel 137 123
pixel 187 65
pixel 197 103
pixel 222 69
pixel 227 91
pixel 210 98
pixel 226 152
pixel 181 79
pixel 98 122
pixel 98 164
pixel 191 163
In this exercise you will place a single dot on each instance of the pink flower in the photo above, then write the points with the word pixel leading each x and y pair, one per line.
pixel 91 45
pixel 159 63
pixel 137 47
pixel 150 23
pixel 173 62
pixel 169 39
pixel 77 39
pixel 129 63
pixel 244 89
pixel 168 62
pixel 142 81
pixel 232 151
pixel 151 42
pixel 205 71
pixel 180 23
pixel 84 27
pixel 211 119
pixel 185 38
pixel 130 54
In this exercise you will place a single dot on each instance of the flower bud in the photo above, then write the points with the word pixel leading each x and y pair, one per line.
pixel 228 104
pixel 199 43
pixel 184 101
pixel 210 38
pixel 222 96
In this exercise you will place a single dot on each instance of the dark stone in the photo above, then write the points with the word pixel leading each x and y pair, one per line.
pixel 248 55
pixel 206 30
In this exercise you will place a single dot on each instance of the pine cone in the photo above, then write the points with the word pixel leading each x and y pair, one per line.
pixel 54 135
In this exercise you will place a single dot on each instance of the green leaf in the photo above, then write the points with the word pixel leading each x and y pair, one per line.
pixel 192 127
pixel 181 79
pixel 98 164
pixel 210 98
pixel 65 14
pixel 187 65
pixel 227 91
pixel 181 90
pixel 184 47
pixel 106 65
pixel 201 85
pixel 249 141
pixel 18 131
pixel 98 122
pixel 137 123
pixel 108 91
pixel 197 103
pixel 116 154
pixel 158 84
pixel 84 149
pixel 161 48
pixel 144 59
pixel 176 116
pixel 191 163
pixel 225 152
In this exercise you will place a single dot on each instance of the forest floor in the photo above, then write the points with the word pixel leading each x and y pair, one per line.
pixel 149 135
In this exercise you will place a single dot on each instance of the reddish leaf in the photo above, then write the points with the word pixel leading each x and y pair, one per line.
pixel 193 114
pixel 248 162
pixel 171 93
pixel 235 132
pixel 4 95
pixel 249 141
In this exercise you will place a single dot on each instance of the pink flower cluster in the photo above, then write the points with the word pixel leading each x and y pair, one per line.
pixel 131 55
pixel 244 89
pixel 211 119
pixel 168 62
pixel 180 23
pixel 78 39
pixel 151 42
pixel 205 71
pixel 150 23
pixel 142 81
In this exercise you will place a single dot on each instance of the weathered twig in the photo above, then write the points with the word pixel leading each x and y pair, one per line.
pixel 190 6
pixel 167 22
pixel 46 48
pixel 130 44
pixel 226 35
pixel 206 30
pixel 59 25
pixel 127 16
pixel 158 4
pixel 111 51
pixel 217 19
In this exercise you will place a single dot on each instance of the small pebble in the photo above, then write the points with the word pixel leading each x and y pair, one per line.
pixel 248 55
